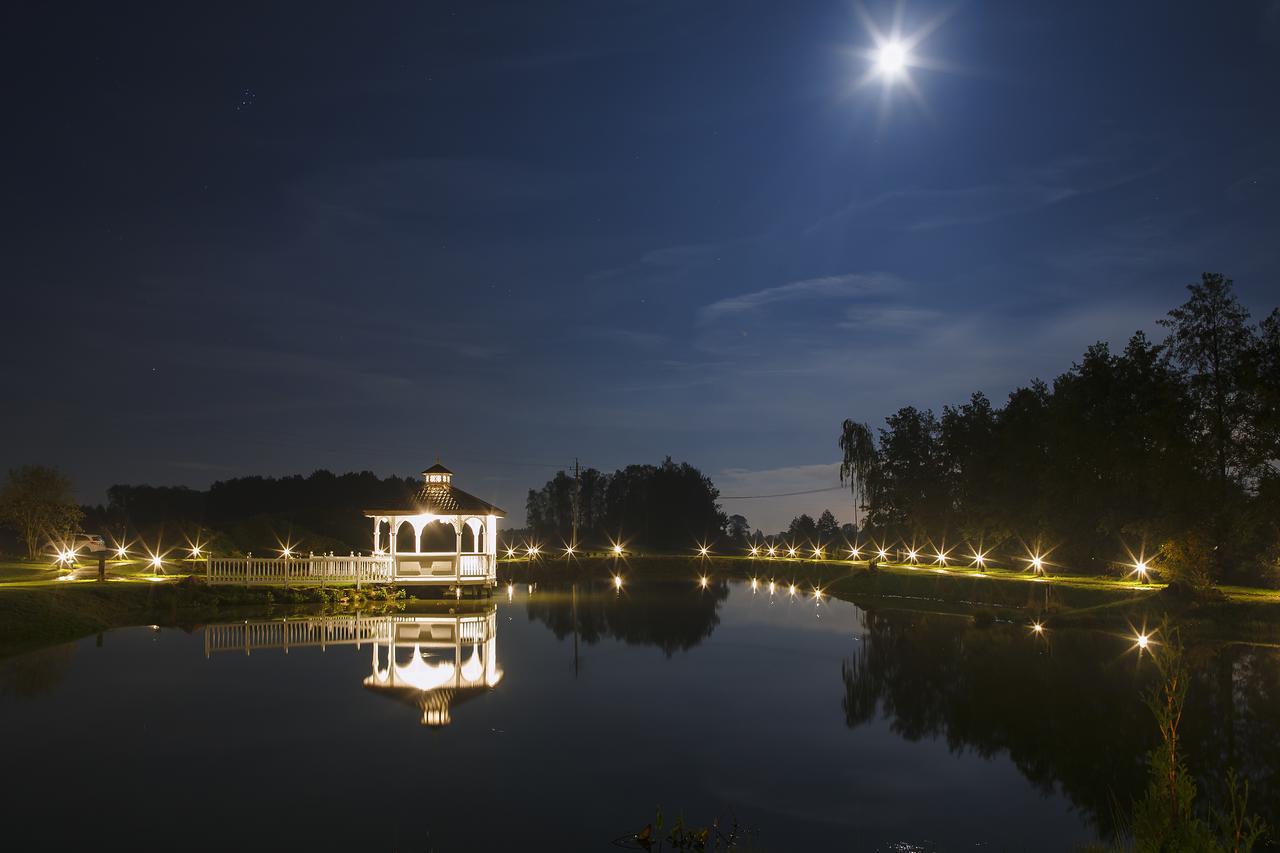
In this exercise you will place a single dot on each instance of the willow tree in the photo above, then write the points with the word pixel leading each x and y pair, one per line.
pixel 859 461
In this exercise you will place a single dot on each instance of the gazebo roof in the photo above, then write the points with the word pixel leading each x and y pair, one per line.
pixel 438 496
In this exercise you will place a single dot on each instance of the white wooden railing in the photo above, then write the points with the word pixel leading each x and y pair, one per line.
pixel 284 634
pixel 312 569
pixel 323 631
pixel 474 566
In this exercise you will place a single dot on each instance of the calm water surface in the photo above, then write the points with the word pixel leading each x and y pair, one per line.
pixel 559 720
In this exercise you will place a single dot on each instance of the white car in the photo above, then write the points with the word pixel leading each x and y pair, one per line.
pixel 87 543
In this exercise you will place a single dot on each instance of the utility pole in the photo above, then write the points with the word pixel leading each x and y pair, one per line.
pixel 577 490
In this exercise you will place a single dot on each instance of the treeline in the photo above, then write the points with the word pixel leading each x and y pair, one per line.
pixel 320 512
pixel 651 507
pixel 1165 450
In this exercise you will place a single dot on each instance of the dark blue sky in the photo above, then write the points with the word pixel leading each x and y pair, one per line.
pixel 259 238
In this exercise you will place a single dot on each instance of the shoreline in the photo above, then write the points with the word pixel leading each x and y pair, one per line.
pixel 35 614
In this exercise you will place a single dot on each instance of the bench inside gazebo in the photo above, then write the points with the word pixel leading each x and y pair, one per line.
pixel 444 536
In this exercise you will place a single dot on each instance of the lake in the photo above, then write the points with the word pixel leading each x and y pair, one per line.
pixel 562 718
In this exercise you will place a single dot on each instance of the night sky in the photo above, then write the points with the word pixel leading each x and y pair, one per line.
pixel 270 238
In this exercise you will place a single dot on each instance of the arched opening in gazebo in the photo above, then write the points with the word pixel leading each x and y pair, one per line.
pixel 406 538
pixel 438 537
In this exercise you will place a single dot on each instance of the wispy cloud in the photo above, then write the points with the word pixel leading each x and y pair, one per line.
pixel 1019 191
pixel 847 286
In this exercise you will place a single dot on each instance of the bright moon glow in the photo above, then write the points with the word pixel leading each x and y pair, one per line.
pixel 891 59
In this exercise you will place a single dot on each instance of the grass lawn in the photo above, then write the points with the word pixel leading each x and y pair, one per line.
pixel 46 571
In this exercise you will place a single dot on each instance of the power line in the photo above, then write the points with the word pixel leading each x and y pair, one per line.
pixel 779 495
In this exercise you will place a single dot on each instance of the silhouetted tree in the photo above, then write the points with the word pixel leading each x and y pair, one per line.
pixel 1210 342
pixel 826 528
pixel 802 529
pixel 38 503
pixel 738 528
pixel 858 462
pixel 1172 446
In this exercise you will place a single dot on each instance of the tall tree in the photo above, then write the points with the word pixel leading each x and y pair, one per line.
pixel 827 528
pixel 858 463
pixel 908 492
pixel 1211 342
pixel 38 503
pixel 802 529
pixel 1266 378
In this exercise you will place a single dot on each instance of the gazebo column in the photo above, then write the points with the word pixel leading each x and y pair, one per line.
pixel 457 549
pixel 377 535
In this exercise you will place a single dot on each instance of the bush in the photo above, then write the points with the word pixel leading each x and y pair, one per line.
pixel 1189 560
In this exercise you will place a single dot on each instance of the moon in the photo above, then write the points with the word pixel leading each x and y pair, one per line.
pixel 891 59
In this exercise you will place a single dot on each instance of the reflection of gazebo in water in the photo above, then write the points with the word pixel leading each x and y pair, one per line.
pixel 434 663
pixel 445 535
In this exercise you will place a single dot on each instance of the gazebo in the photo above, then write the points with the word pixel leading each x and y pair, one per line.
pixel 445 536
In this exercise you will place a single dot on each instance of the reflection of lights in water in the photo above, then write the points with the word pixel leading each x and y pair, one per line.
pixel 755 584
pixel 703 581
pixel 773 587
pixel 617 581
pixel 1037 627
pixel 511 591
pixel 793 589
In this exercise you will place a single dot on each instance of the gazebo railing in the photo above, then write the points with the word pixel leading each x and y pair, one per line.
pixel 474 566
pixel 309 570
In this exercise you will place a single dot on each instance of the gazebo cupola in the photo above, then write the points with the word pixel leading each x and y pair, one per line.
pixel 417 553
pixel 437 475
